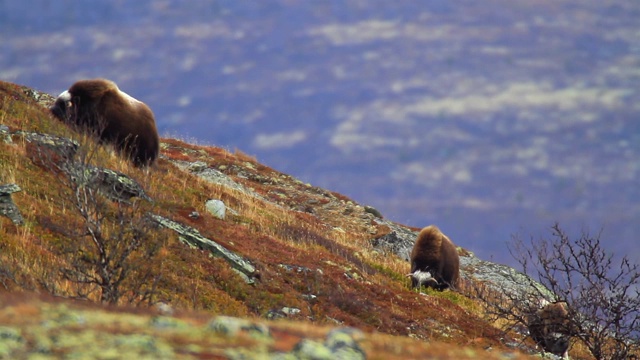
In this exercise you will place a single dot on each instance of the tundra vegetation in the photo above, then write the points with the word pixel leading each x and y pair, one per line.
pixel 311 247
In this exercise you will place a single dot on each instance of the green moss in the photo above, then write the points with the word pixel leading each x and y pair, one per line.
pixel 388 272
pixel 452 296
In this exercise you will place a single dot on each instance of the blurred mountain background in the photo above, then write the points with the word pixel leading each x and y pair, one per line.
pixel 487 118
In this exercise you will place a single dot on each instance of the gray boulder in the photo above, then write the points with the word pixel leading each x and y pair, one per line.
pixel 217 208
pixel 51 150
pixel 5 134
pixel 7 207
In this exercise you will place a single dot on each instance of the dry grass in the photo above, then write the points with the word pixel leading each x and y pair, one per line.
pixel 300 226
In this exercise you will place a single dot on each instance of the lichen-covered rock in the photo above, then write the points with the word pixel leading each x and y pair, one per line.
pixel 214 176
pixel 50 149
pixel 167 322
pixel 58 154
pixel 340 343
pixel 43 99
pixel 10 340
pixel 312 350
pixel 232 326
pixel 398 241
pixel 299 269
pixel 501 278
pixel 373 211
pixel 193 237
pixel 282 313
pixel 112 184
pixel 343 343
pixel 5 134
pixel 7 207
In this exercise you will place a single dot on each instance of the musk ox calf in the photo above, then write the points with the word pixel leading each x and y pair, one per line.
pixel 551 328
pixel 100 108
pixel 434 261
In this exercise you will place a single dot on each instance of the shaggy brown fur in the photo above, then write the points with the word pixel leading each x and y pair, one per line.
pixel 434 260
pixel 550 327
pixel 99 107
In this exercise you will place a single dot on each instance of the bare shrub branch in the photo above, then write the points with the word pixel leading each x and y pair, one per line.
pixel 601 291
pixel 112 245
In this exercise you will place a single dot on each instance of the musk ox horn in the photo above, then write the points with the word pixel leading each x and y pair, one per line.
pixel 424 278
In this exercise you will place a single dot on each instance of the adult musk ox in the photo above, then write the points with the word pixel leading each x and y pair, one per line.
pixel 99 107
pixel 434 260
pixel 551 328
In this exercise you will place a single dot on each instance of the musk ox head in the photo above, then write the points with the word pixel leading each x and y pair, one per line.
pixel 62 107
pixel 423 278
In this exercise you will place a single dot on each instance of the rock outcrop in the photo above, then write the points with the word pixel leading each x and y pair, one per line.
pixel 7 207
pixel 192 237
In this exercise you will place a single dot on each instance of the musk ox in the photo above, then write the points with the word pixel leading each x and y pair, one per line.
pixel 434 261
pixel 99 107
pixel 551 328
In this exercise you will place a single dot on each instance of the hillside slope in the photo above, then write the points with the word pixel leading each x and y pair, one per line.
pixel 307 253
